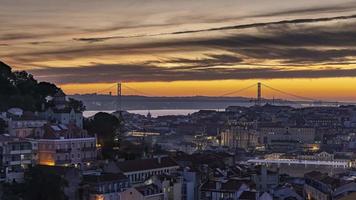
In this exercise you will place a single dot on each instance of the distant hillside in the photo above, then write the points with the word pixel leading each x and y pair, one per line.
pixel 107 102
pixel 20 89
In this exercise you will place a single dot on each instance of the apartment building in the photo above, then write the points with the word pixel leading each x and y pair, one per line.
pixel 139 170
pixel 16 155
pixel 63 145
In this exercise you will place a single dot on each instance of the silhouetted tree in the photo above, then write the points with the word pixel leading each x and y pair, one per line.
pixel 42 184
pixel 105 126
pixel 2 126
pixel 21 89
pixel 76 105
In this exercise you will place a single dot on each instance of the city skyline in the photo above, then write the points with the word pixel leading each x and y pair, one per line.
pixel 185 48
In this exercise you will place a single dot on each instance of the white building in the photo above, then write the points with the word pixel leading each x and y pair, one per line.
pixel 64 116
pixel 171 185
pixel 140 170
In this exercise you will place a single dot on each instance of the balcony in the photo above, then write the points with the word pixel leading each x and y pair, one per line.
pixel 88 148
pixel 88 159
pixel 25 151
pixel 19 162
pixel 63 150
pixel 63 162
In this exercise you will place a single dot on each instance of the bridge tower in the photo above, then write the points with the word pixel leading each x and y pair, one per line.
pixel 119 96
pixel 259 94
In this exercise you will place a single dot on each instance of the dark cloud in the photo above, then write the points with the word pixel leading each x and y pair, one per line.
pixel 128 73
pixel 272 39
pixel 289 45
pixel 17 36
pixel 211 60
pixel 300 56
pixel 244 56
pixel 236 27
pixel 312 10
pixel 40 42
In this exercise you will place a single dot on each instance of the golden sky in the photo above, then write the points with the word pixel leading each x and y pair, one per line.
pixel 184 47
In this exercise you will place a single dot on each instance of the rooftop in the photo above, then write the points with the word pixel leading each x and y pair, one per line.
pixel 146 164
pixel 103 177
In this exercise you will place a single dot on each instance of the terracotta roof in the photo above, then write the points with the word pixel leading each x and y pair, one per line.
pixel 56 131
pixel 146 164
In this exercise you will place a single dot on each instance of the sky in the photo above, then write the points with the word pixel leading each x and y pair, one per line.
pixel 185 47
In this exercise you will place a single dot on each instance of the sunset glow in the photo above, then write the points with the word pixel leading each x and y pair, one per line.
pixel 185 48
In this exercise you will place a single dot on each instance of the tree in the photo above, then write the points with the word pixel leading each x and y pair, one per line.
pixel 21 89
pixel 2 126
pixel 43 184
pixel 105 126
pixel 12 191
pixel 6 87
pixel 76 105
pixel 47 89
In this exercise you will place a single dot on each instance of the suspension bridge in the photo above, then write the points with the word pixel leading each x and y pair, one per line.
pixel 288 97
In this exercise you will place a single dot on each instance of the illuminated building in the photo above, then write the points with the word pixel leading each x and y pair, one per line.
pixel 239 137
pixel 63 145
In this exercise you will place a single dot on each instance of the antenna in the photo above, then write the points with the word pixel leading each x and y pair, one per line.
pixel 119 96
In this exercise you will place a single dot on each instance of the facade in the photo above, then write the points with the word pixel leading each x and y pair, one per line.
pixel 190 187
pixel 145 192
pixel 325 156
pixel 171 185
pixel 64 116
pixel 265 179
pixel 223 189
pixel 25 124
pixel 319 186
pixel 104 186
pixel 61 113
pixel 239 137
pixel 300 134
pixel 139 170
pixel 66 146
pixel 16 155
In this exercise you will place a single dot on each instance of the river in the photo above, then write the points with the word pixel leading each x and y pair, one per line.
pixel 154 113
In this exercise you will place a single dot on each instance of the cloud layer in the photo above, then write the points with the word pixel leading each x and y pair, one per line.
pixel 162 42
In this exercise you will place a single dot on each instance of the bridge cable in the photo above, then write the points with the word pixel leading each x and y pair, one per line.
pixel 137 91
pixel 105 89
pixel 238 91
pixel 289 94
